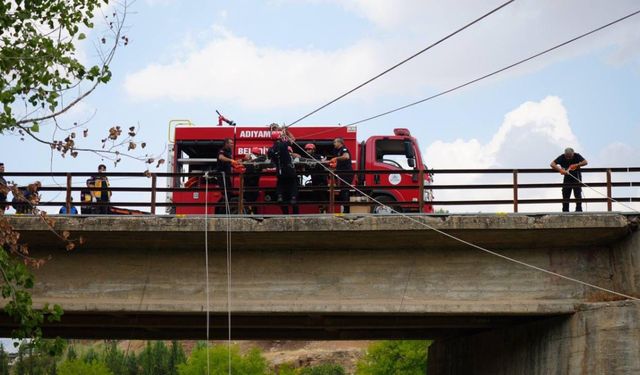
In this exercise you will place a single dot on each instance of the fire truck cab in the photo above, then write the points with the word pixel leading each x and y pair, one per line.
pixel 396 157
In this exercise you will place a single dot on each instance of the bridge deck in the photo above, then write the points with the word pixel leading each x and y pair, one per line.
pixel 320 277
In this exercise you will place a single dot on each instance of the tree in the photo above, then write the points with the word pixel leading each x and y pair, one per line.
pixel 395 357
pixel 40 77
pixel 176 358
pixel 91 356
pixel 132 365
pixel 114 358
pixel 78 367
pixel 252 363
pixel 38 58
pixel 4 361
pixel 71 353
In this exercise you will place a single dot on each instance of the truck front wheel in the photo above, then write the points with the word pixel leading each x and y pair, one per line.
pixel 386 207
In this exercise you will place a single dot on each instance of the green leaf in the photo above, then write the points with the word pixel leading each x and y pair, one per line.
pixel 82 36
pixel 35 128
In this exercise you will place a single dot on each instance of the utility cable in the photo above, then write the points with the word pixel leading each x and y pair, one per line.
pixel 496 71
pixel 404 61
pixel 473 81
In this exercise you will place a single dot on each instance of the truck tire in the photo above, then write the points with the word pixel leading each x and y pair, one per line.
pixel 388 207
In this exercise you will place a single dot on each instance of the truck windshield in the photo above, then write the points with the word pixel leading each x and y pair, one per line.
pixel 394 153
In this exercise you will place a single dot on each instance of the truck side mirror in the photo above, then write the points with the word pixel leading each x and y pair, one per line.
pixel 408 150
pixel 411 162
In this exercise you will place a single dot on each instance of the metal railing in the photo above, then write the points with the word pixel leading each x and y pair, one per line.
pixel 238 191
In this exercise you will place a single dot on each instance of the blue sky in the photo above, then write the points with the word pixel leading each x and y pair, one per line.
pixel 271 61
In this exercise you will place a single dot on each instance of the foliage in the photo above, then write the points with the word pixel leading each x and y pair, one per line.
pixel 4 361
pixel 114 358
pixel 71 353
pixel 323 369
pixel 395 357
pixel 38 60
pixel 38 64
pixel 286 369
pixel 38 360
pixel 79 367
pixel 252 363
pixel 176 357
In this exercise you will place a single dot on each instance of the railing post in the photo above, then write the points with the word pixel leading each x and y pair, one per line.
pixel 609 201
pixel 332 198
pixel 153 193
pixel 241 196
pixel 515 190
pixel 421 191
pixel 68 198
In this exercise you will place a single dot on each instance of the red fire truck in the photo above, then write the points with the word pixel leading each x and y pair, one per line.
pixel 194 149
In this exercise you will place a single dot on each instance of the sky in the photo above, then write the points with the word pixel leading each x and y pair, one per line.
pixel 261 62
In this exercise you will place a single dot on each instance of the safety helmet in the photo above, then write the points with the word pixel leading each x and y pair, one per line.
pixel 256 151
pixel 276 135
pixel 310 146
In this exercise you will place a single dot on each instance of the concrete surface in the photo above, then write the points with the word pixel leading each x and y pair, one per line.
pixel 599 339
pixel 325 277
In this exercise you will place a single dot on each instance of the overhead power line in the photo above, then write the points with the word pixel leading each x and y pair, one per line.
pixel 403 61
pixel 496 71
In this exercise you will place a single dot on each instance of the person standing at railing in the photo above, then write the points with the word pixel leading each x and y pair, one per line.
pixel 287 180
pixel 318 177
pixel 87 198
pixel 4 190
pixel 342 163
pixel 253 161
pixel 569 164
pixel 224 164
pixel 102 192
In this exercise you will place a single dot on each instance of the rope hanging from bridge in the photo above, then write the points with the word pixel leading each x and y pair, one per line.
pixel 228 258
pixel 207 176
pixel 206 262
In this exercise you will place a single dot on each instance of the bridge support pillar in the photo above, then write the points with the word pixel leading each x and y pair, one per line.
pixel 600 338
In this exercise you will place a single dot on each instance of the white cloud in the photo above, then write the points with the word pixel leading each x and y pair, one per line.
pixel 530 137
pixel 536 130
pixel 234 68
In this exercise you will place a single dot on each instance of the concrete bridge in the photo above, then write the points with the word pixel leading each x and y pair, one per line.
pixel 349 277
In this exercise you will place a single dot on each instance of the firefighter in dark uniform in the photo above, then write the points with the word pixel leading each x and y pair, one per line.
pixel 318 175
pixel 344 170
pixel 287 181
pixel 224 164
pixel 252 176
pixel 568 164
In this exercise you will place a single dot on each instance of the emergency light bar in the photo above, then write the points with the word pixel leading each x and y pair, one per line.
pixel 402 132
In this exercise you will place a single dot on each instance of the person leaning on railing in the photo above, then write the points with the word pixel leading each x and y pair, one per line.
pixel 569 164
